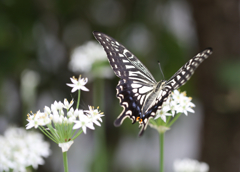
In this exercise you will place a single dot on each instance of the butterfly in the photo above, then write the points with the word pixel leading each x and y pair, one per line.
pixel 140 95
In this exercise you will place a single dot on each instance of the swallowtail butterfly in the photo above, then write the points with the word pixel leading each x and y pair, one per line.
pixel 138 92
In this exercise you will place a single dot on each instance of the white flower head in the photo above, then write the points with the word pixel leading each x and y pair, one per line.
pixel 78 84
pixel 20 149
pixel 190 165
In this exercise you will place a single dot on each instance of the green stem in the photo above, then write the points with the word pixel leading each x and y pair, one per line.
pixel 78 133
pixel 65 162
pixel 161 141
pixel 78 102
pixel 174 119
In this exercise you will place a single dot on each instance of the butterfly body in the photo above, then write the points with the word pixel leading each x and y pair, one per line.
pixel 138 92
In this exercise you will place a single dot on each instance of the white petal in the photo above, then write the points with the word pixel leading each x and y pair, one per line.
pixel 77 125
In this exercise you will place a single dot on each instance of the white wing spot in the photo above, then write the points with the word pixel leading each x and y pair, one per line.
pixel 125 103
pixel 141 101
pixel 145 89
pixel 134 90
pixel 178 77
pixel 135 85
pixel 129 112
pixel 136 94
pixel 129 66
pixel 120 55
pixel 163 93
pixel 120 95
pixel 138 97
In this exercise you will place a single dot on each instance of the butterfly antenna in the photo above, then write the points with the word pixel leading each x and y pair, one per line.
pixel 161 70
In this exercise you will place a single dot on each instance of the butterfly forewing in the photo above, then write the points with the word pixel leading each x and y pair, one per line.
pixel 124 64
pixel 138 92
pixel 187 70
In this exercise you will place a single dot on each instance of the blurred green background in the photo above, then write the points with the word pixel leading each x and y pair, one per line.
pixel 37 43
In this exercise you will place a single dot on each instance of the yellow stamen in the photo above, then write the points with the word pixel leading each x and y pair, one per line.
pixel 184 93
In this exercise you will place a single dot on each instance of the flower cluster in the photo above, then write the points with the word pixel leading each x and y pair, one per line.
pixel 90 57
pixel 21 149
pixel 176 104
pixel 56 115
pixel 190 165
pixel 61 118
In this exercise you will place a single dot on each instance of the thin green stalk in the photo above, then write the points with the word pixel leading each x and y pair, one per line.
pixel 78 102
pixel 174 119
pixel 49 135
pixel 161 141
pixel 101 159
pixel 168 119
pixel 78 133
pixel 65 162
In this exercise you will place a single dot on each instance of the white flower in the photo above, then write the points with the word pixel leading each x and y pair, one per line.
pixel 190 165
pixel 56 118
pixel 70 112
pixel 163 113
pixel 94 115
pixel 20 149
pixel 40 118
pixel 65 146
pixel 78 84
pixel 84 123
pixel 47 110
pixel 57 105
pixel 177 96
pixel 84 56
pixel 185 106
pixel 67 105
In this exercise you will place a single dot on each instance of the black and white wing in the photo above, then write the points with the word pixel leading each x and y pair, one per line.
pixel 138 92
pixel 136 83
pixel 187 70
